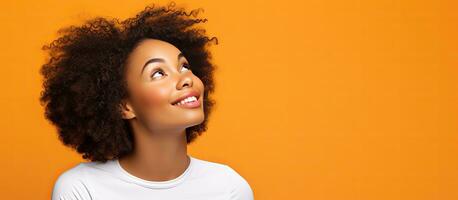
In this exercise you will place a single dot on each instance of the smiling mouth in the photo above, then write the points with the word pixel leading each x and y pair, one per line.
pixel 190 102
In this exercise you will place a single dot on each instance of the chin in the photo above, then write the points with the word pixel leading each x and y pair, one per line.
pixel 196 121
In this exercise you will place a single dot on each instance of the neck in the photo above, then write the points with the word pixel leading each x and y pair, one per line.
pixel 157 157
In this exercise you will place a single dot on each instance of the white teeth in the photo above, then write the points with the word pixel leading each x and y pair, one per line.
pixel 187 100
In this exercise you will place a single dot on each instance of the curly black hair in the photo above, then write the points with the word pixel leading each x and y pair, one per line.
pixel 84 77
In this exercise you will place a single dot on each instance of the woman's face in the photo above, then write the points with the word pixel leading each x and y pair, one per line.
pixel 157 76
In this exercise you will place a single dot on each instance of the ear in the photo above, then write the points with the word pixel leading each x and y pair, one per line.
pixel 126 110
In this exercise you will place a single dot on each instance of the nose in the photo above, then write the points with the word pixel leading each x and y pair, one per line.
pixel 185 81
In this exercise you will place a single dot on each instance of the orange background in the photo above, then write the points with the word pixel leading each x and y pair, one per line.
pixel 320 99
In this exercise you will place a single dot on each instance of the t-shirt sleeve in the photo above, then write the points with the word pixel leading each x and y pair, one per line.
pixel 239 187
pixel 70 186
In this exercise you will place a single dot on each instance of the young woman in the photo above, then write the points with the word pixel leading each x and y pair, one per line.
pixel 129 96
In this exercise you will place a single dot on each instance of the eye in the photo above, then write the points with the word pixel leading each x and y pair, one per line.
pixel 187 66
pixel 156 72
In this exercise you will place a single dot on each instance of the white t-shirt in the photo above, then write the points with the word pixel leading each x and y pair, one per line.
pixel 202 180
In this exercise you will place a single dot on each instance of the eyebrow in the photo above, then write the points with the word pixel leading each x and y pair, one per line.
pixel 157 60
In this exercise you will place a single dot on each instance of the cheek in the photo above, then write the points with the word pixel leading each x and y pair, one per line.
pixel 154 96
pixel 200 85
pixel 198 82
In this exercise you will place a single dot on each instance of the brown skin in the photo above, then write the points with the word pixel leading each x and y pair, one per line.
pixel 160 151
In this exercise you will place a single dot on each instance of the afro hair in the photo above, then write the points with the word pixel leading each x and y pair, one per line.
pixel 84 79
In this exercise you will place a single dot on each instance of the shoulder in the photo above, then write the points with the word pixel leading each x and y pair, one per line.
pixel 71 184
pixel 239 187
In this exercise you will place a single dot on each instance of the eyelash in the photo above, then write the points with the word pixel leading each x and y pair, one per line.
pixel 160 70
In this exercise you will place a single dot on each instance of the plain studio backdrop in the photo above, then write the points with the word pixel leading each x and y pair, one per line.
pixel 320 99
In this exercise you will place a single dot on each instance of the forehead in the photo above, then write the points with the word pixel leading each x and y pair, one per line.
pixel 150 48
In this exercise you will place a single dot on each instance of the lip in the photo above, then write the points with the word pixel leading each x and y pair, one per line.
pixel 186 95
pixel 195 104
